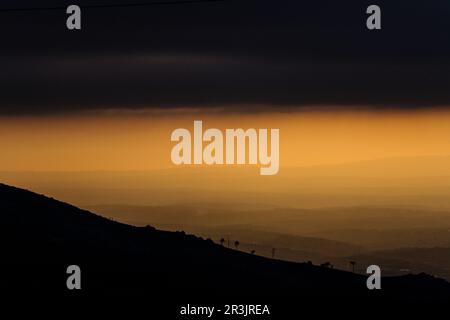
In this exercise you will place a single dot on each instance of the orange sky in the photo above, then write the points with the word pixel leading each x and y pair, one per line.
pixel 142 142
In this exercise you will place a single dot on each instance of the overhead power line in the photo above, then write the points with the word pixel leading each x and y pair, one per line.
pixel 114 5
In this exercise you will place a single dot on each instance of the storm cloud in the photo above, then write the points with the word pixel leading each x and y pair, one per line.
pixel 238 55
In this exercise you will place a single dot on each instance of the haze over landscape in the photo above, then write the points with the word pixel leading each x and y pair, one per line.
pixel 365 187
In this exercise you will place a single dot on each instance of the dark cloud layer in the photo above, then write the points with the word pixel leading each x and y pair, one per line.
pixel 236 54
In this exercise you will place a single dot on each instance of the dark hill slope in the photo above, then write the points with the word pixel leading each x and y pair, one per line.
pixel 42 236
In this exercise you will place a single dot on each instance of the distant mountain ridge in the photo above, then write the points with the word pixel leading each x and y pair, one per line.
pixel 46 235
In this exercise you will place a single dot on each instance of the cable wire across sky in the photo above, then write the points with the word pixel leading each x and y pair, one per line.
pixel 115 5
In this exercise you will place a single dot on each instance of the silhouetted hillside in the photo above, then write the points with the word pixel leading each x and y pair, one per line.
pixel 44 236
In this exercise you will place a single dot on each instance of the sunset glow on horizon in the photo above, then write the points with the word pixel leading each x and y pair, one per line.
pixel 142 142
